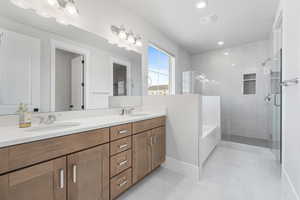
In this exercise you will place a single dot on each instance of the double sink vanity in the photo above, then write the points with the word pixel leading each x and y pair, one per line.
pixel 95 158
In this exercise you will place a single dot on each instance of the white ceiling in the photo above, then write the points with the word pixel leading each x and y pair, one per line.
pixel 239 21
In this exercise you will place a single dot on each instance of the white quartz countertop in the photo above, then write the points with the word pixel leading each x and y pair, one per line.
pixel 13 135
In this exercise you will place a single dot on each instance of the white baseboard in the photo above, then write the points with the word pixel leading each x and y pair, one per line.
pixel 288 191
pixel 188 170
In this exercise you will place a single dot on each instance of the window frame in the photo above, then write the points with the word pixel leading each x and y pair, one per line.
pixel 172 66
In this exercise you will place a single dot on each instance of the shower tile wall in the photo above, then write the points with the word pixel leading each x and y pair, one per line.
pixel 242 115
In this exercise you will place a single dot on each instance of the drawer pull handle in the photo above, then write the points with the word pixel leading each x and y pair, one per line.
pixel 123 146
pixel 74 173
pixel 123 163
pixel 123 132
pixel 61 178
pixel 122 184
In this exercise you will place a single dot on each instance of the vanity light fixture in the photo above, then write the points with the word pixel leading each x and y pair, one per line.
pixel 122 33
pixel 71 8
pixel 130 37
pixel 68 6
pixel 138 41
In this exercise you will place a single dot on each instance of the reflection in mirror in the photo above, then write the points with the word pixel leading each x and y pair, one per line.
pixel 69 81
pixel 52 67
pixel 120 79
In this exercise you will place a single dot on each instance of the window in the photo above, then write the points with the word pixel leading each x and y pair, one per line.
pixel 249 84
pixel 160 69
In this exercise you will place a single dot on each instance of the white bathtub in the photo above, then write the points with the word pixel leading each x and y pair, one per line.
pixel 211 131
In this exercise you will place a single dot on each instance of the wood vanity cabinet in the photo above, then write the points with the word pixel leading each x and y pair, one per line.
pixel 148 148
pixel 141 160
pixel 94 165
pixel 45 181
pixel 88 174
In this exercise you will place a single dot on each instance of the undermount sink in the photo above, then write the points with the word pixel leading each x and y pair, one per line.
pixel 139 114
pixel 54 126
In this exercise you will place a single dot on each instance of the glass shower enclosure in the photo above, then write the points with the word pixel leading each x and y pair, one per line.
pixel 276 91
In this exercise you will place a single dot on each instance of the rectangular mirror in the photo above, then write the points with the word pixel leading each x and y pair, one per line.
pixel 54 68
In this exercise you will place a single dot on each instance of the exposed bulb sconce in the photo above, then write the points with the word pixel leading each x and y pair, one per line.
pixel 130 37
pixel 68 6
pixel 122 33
pixel 63 11
pixel 201 4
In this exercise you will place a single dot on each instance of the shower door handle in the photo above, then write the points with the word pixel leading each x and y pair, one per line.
pixel 290 82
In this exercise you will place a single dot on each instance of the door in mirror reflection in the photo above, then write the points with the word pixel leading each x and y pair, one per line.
pixel 69 81
pixel 120 80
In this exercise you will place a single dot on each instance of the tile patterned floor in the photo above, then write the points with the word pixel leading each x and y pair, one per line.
pixel 233 172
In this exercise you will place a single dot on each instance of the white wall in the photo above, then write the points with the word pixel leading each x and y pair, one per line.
pixel 291 99
pixel 183 125
pixel 241 115
pixel 97 16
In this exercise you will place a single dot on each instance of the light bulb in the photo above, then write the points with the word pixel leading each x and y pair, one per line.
pixel 131 38
pixel 220 43
pixel 226 53
pixel 139 42
pixel 201 4
pixel 53 3
pixel 122 34
pixel 71 9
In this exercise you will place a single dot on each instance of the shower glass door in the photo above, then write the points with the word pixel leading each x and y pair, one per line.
pixel 276 88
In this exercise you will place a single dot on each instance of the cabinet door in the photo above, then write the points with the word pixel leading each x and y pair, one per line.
pixel 44 181
pixel 88 174
pixel 141 165
pixel 157 147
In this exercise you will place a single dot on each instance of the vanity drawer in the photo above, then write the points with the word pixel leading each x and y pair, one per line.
pixel 120 131
pixel 3 160
pixel 120 162
pixel 30 153
pixel 145 125
pixel 120 145
pixel 120 183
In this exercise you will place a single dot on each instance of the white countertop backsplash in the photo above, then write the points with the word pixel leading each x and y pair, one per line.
pixel 10 134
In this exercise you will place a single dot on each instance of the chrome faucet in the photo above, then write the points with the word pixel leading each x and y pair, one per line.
pixel 127 110
pixel 50 119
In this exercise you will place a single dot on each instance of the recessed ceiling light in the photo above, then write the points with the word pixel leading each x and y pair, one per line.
pixel 201 4
pixel 226 53
pixel 221 43
pixel 233 65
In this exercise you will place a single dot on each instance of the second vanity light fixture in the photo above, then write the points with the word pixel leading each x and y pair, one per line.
pixel 64 11
pixel 68 6
pixel 128 36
